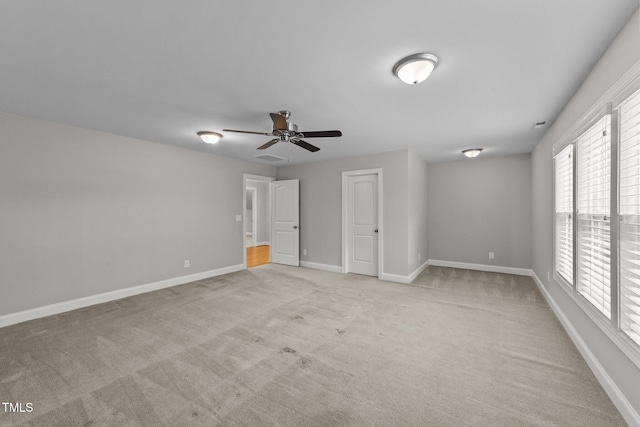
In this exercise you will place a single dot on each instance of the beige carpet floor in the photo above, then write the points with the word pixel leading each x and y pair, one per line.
pixel 279 345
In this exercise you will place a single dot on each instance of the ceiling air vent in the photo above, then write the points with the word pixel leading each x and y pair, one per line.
pixel 270 157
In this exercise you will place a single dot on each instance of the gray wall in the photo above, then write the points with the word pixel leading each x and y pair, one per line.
pixel 321 207
pixel 84 212
pixel 481 205
pixel 418 236
pixel 262 202
pixel 623 53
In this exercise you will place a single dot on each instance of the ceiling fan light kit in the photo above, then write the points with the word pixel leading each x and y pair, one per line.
pixel 209 137
pixel 285 131
pixel 472 152
pixel 415 68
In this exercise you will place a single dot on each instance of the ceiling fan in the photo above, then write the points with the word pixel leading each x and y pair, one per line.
pixel 283 130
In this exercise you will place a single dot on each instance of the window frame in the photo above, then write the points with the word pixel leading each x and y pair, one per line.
pixel 557 274
pixel 607 104
pixel 620 216
pixel 606 218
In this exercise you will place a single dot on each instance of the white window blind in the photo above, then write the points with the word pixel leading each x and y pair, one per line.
pixel 593 215
pixel 564 213
pixel 629 196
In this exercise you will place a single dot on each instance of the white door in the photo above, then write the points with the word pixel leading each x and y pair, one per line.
pixel 285 234
pixel 363 224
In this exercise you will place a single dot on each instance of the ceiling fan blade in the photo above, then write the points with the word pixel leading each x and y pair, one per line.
pixel 279 122
pixel 268 144
pixel 246 131
pixel 322 134
pixel 305 145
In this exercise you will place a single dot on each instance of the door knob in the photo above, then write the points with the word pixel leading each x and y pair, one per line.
pixel 295 227
pixel 376 230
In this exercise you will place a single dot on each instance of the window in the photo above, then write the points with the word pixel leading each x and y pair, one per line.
pixel 629 196
pixel 563 164
pixel 593 215
pixel 597 216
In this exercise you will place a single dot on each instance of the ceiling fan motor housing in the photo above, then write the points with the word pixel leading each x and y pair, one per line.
pixel 290 131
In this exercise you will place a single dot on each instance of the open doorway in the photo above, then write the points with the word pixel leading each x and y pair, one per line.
pixel 257 220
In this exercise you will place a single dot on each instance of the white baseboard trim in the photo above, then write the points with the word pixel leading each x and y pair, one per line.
pixel 398 278
pixel 419 270
pixel 49 310
pixel 482 267
pixel 263 244
pixel 627 410
pixel 323 267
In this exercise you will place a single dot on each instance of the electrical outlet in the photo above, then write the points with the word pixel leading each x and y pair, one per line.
pixel 304 252
pixel 491 255
pixel 186 263
pixel 238 217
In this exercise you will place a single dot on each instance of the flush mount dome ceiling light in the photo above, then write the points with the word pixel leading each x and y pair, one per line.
pixel 209 137
pixel 415 68
pixel 472 152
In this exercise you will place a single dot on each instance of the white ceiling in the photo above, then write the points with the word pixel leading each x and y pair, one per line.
pixel 163 70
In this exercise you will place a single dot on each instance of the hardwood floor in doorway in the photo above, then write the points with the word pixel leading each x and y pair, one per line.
pixel 257 255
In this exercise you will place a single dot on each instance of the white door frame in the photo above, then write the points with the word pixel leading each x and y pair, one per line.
pixel 345 217
pixel 248 177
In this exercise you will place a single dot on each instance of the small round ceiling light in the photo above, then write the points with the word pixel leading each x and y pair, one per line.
pixel 472 152
pixel 415 68
pixel 209 137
